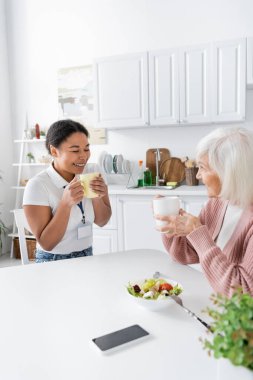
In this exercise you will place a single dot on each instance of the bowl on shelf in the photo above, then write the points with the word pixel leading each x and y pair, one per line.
pixel 23 182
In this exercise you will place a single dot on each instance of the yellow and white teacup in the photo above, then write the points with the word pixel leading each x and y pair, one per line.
pixel 85 181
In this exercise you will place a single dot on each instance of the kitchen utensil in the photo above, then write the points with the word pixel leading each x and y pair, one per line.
pixel 151 159
pixel 179 301
pixel 172 170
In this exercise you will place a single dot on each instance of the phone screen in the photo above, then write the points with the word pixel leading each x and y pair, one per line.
pixel 119 337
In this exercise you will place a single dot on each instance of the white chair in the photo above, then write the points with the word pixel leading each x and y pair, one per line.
pixel 22 224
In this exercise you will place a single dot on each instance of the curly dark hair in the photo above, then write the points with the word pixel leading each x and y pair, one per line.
pixel 61 130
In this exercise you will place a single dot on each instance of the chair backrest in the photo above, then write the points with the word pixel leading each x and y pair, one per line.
pixel 22 224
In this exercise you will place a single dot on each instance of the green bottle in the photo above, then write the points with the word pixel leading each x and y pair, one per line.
pixel 140 174
pixel 147 177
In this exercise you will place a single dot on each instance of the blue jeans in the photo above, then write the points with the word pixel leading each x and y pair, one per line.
pixel 42 256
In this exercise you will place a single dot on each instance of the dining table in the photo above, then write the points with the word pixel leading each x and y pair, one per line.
pixel 50 312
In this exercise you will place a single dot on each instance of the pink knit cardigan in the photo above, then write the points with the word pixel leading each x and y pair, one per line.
pixel 224 269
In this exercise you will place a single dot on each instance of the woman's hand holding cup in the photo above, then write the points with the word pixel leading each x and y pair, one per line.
pixel 73 193
pixel 99 186
pixel 171 220
pixel 93 185
pixel 165 208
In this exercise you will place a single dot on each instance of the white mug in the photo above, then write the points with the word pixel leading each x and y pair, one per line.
pixel 165 206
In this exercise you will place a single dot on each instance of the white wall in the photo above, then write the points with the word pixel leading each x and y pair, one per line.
pixel 47 34
pixel 5 123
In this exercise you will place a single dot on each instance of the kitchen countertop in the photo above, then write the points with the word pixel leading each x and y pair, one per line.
pixel 180 190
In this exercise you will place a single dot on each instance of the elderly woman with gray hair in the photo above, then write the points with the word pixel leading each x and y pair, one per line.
pixel 221 238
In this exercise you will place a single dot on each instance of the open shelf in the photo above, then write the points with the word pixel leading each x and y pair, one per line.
pixel 13 235
pixel 30 141
pixel 31 164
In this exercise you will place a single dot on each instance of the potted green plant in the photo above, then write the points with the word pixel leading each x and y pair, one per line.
pixel 232 335
pixel 30 157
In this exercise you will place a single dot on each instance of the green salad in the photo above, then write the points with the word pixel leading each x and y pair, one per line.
pixel 154 289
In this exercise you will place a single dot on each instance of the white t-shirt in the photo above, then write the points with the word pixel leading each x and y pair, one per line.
pixel 232 216
pixel 46 189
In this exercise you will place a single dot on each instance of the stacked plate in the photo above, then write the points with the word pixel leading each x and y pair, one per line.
pixel 105 162
pixel 116 164
pixel 108 163
pixel 126 167
pixel 101 160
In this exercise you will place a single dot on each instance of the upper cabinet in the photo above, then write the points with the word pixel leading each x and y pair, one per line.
pixel 195 80
pixel 164 87
pixel 121 91
pixel 229 80
pixel 190 85
pixel 179 86
pixel 250 62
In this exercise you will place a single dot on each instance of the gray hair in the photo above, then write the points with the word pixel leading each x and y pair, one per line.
pixel 230 155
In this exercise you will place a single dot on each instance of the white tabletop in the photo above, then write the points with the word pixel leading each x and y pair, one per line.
pixel 51 311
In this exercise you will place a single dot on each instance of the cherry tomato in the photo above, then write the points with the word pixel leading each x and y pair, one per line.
pixel 165 286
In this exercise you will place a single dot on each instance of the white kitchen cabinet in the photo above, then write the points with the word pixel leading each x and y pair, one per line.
pixel 193 204
pixel 229 80
pixel 250 62
pixel 121 91
pixel 164 87
pixel 136 228
pixel 195 82
pixel 188 85
pixel 179 86
pixel 105 239
pixel 132 225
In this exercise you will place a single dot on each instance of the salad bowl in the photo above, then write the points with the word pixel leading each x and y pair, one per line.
pixel 154 294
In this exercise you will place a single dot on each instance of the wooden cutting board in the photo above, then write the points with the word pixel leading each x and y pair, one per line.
pixel 172 170
pixel 150 159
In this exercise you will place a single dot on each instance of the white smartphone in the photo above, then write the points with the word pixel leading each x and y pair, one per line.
pixel 119 337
